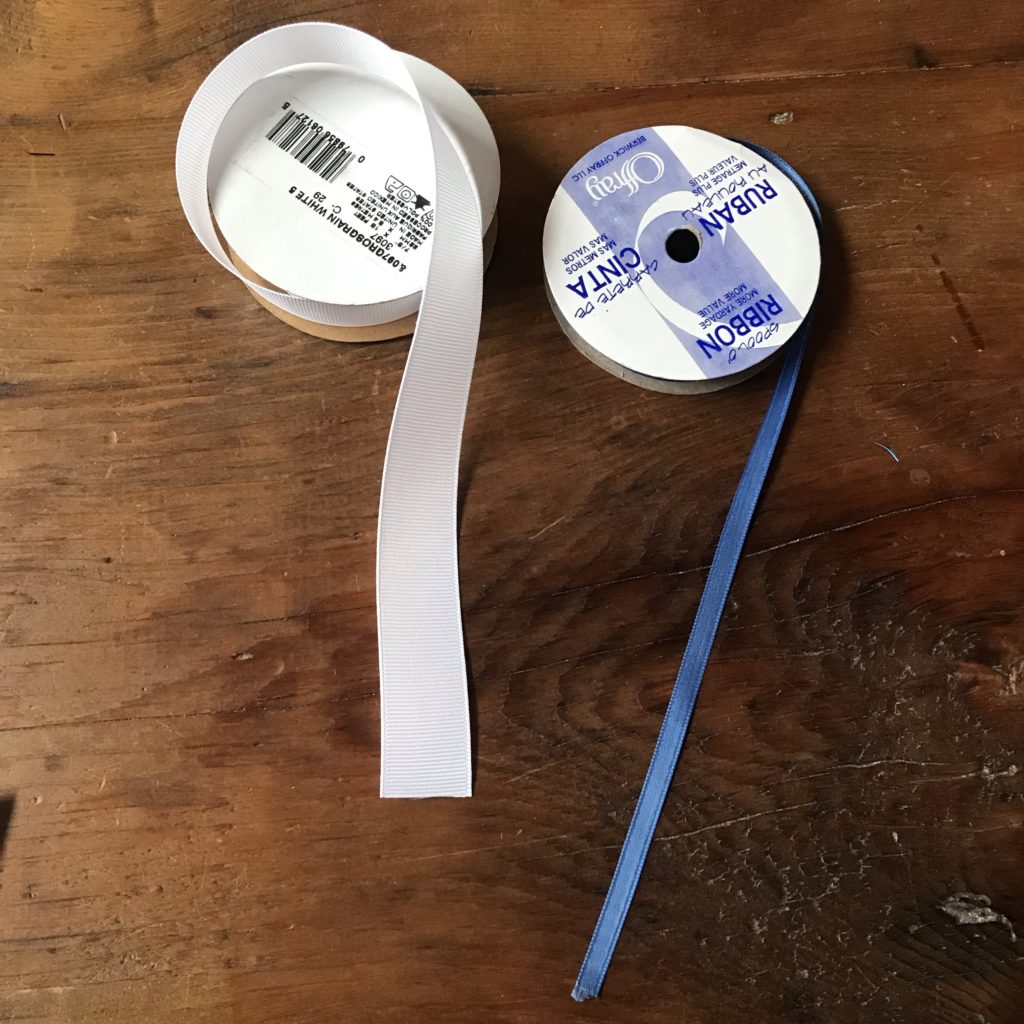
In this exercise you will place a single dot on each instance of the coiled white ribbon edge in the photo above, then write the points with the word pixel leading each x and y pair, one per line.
pixel 425 735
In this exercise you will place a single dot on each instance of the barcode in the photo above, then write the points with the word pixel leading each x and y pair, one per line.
pixel 312 144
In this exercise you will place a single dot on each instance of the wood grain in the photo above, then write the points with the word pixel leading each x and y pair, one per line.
pixel 188 707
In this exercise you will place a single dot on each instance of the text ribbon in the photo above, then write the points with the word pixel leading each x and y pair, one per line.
pixel 425 739
pixel 698 650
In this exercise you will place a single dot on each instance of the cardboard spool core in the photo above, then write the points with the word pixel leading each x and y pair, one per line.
pixel 372 332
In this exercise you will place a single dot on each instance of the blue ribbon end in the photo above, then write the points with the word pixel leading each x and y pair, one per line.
pixel 581 993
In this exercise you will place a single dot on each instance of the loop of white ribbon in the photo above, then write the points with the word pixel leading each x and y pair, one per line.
pixel 425 740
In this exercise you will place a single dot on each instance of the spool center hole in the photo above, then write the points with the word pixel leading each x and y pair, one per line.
pixel 682 245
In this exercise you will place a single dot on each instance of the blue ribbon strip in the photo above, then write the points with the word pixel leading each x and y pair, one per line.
pixel 698 650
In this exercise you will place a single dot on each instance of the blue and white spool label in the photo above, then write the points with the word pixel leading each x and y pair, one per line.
pixel 619 285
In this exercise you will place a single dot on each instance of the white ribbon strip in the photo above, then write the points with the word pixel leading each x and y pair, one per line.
pixel 425 741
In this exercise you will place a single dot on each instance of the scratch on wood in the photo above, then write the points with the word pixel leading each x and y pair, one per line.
pixel 871 519
pixel 533 771
pixel 802 539
pixel 543 530
pixel 733 821
pixel 482 849
pixel 958 303
pixel 984 772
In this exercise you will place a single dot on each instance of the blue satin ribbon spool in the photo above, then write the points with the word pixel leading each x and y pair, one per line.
pixel 698 650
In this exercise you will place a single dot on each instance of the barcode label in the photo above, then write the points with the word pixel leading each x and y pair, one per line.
pixel 314 145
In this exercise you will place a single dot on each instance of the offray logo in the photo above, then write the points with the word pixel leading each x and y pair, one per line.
pixel 640 169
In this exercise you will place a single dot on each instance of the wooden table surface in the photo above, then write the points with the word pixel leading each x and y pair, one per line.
pixel 188 697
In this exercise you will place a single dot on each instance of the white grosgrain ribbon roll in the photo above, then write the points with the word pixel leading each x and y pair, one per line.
pixel 425 738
